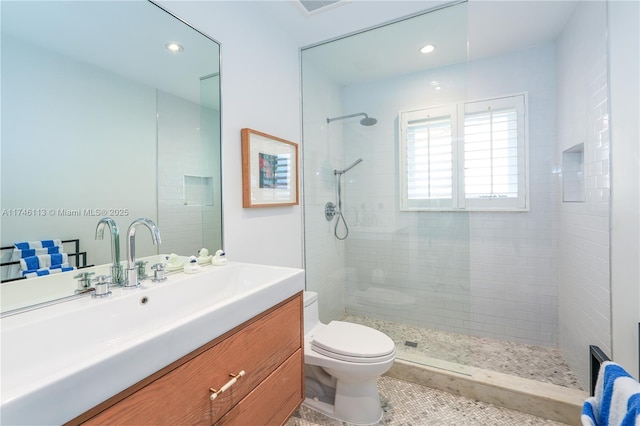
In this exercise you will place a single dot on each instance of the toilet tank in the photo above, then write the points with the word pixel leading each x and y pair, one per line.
pixel 311 319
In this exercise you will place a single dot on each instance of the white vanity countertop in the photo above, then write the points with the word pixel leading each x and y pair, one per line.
pixel 62 360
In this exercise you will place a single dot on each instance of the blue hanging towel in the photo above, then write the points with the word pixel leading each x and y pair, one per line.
pixel 616 401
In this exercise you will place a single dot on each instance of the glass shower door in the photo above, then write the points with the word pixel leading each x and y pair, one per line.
pixel 404 272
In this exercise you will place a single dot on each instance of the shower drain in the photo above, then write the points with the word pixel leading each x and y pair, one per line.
pixel 411 344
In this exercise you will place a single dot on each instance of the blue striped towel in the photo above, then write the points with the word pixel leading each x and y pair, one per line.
pixel 38 244
pixel 38 256
pixel 616 401
pixel 58 262
pixel 22 253
pixel 44 261
pixel 32 248
pixel 47 271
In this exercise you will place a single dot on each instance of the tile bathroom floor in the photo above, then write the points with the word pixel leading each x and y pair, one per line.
pixel 409 404
pixel 527 361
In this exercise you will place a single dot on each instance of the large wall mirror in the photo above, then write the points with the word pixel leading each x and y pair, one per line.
pixel 102 116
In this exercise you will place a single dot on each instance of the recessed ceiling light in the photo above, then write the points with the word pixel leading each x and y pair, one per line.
pixel 174 47
pixel 427 48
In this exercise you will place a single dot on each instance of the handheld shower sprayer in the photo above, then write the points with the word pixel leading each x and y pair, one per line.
pixel 345 170
pixel 331 210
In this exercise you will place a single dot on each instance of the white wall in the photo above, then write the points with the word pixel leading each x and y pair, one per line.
pixel 583 256
pixel 261 91
pixel 489 274
pixel 624 78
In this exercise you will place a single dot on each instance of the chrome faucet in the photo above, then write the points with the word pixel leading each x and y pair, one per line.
pixel 117 275
pixel 132 271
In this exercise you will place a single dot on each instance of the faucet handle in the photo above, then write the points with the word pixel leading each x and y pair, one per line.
pixel 159 273
pixel 83 275
pixel 84 281
pixel 102 286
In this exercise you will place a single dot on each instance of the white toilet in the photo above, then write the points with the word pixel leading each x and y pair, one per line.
pixel 342 362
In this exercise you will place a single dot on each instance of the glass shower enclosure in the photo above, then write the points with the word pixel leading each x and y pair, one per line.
pixel 371 261
pixel 443 223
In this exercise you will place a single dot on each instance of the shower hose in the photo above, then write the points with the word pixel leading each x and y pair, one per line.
pixel 339 212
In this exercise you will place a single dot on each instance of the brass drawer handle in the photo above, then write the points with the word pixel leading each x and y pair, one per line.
pixel 215 393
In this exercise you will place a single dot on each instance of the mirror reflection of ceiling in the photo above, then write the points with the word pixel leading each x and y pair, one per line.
pixel 55 25
pixel 490 27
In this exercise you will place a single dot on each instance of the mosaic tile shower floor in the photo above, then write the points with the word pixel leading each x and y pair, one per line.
pixel 530 362
pixel 408 404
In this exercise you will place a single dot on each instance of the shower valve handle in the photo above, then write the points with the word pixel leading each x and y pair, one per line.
pixel 330 211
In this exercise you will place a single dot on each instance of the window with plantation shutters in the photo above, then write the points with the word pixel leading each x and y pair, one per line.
pixel 469 156
pixel 428 158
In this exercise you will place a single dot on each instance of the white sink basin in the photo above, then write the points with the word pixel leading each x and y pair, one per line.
pixel 59 361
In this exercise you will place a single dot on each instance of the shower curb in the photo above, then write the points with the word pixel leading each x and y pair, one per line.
pixel 544 400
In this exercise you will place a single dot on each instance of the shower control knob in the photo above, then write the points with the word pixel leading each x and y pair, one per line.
pixel 330 211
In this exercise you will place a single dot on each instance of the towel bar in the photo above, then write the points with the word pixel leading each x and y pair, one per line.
pixel 597 357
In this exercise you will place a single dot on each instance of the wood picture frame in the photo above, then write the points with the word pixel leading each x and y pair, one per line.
pixel 269 170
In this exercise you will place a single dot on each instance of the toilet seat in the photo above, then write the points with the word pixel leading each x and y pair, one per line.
pixel 353 343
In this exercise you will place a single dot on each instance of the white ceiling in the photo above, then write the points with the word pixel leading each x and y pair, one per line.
pixel 342 18
pixel 490 27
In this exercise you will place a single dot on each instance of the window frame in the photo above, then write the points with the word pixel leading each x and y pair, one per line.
pixel 427 204
pixel 459 201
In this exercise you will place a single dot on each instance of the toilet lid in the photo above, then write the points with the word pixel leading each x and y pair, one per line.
pixel 353 342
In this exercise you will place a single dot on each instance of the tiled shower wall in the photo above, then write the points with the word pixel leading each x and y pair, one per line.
pixel 489 274
pixel 182 128
pixel 583 255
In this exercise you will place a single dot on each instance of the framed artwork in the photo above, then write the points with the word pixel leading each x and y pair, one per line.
pixel 269 170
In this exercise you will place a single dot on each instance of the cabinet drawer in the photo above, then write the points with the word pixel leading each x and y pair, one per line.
pixel 273 402
pixel 182 396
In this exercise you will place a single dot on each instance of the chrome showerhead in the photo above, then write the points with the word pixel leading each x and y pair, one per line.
pixel 366 121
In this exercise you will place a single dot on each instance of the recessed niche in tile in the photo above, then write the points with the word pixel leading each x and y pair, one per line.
pixel 198 190
pixel 573 174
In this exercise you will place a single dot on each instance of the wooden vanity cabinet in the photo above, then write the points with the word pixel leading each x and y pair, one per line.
pixel 268 348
